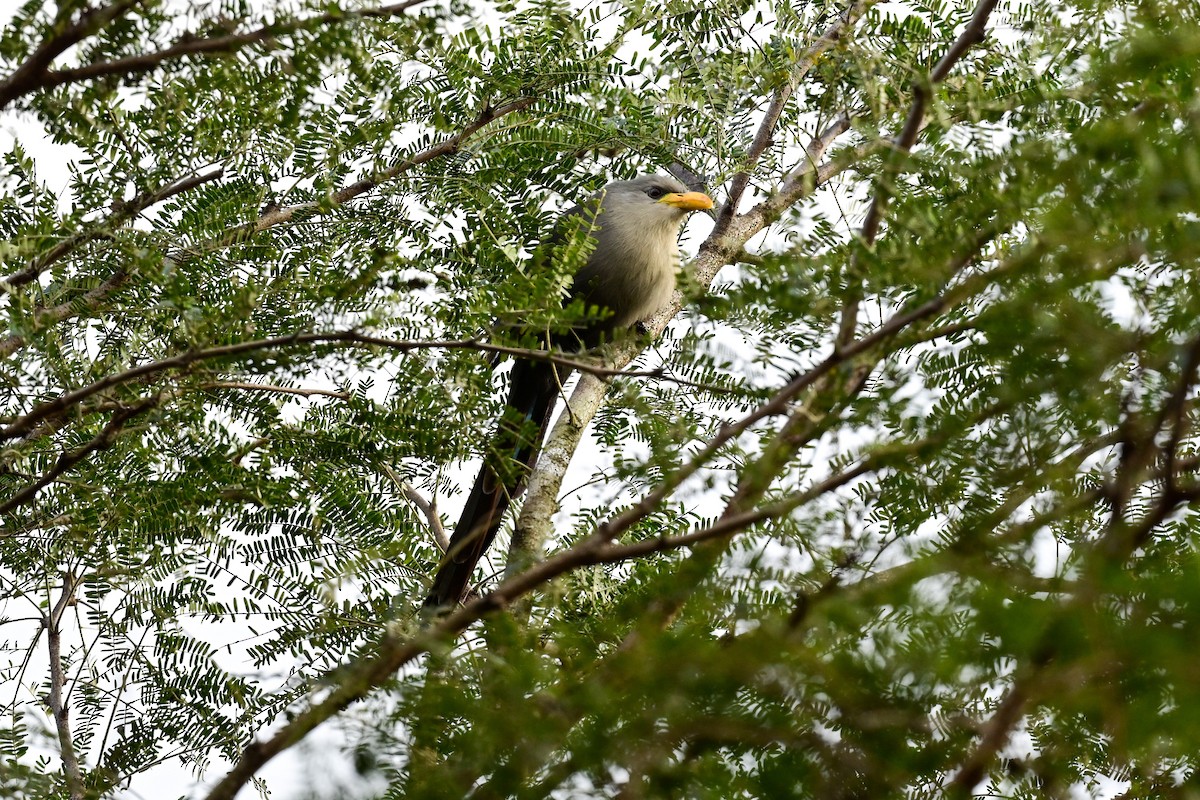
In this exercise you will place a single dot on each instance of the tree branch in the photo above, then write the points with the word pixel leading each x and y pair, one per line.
pixel 89 301
pixel 339 198
pixel 123 211
pixel 34 75
pixel 995 736
pixel 903 143
pixel 53 625
pixel 766 128
pixel 394 652
pixel 95 298
pixel 29 76
pixel 52 408
pixel 69 459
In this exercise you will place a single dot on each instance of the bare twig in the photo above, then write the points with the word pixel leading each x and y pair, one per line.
pixel 53 624
pixel 52 408
pixel 809 174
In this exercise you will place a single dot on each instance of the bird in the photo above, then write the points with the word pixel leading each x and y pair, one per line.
pixel 628 276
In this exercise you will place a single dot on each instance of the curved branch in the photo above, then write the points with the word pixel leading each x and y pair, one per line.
pixel 69 459
pixel 766 128
pixel 28 77
pixel 94 298
pixel 123 212
pixel 35 76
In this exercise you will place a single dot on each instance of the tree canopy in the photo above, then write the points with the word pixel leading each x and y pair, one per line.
pixel 896 499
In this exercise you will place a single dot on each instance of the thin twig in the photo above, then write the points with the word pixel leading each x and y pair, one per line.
pixel 69 459
pixel 52 408
pixel 903 144
pixel 765 134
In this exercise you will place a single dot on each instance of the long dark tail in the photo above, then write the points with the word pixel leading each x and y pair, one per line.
pixel 506 464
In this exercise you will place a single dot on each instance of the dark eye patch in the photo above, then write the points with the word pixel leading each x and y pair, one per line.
pixel 654 193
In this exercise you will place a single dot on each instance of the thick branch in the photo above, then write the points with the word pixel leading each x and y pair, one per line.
pixel 395 653
pixel 29 76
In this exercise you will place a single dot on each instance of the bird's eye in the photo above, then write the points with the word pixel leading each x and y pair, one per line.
pixel 655 193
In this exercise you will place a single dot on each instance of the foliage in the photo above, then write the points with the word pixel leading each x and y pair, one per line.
pixel 900 504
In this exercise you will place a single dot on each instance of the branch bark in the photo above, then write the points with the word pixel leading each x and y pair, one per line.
pixel 53 624
pixel 28 77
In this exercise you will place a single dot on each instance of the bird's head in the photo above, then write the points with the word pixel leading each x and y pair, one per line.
pixel 658 200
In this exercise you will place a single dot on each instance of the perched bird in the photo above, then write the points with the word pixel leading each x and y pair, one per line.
pixel 627 277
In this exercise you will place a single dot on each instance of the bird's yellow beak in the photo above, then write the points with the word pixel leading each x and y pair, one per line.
pixel 688 201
